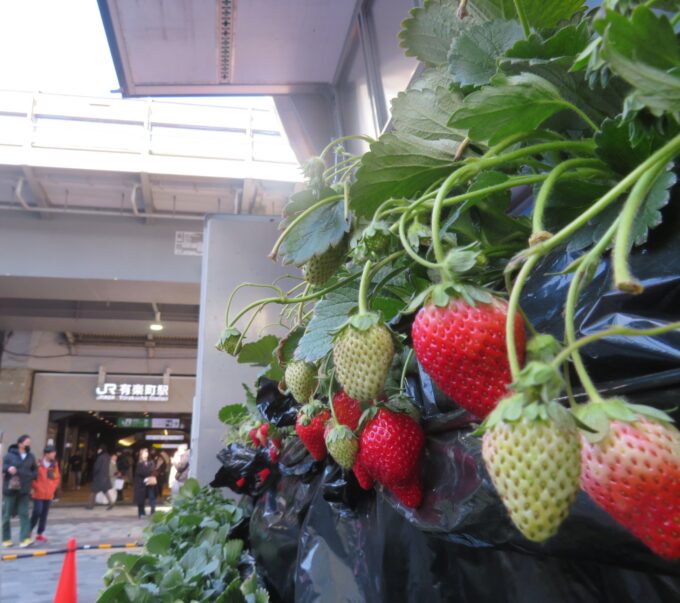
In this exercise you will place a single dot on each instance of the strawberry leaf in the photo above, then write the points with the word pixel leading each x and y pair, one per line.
pixel 508 106
pixel 426 34
pixel 475 51
pixel 652 413
pixel 539 13
pixel 329 314
pixel 566 42
pixel 260 352
pixel 233 414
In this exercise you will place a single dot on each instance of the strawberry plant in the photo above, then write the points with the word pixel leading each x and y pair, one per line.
pixel 533 128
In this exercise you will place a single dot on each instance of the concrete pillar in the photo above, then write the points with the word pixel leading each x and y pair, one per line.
pixel 234 251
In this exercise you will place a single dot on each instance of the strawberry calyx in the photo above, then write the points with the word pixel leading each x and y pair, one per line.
pixel 539 381
pixel 596 416
pixel 309 411
pixel 229 341
pixel 517 407
pixel 543 348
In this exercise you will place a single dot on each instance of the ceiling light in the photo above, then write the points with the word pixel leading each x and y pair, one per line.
pixel 157 325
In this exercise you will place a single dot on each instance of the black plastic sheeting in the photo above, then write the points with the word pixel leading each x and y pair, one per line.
pixel 317 537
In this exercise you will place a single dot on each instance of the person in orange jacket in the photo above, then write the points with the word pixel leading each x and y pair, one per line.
pixel 44 487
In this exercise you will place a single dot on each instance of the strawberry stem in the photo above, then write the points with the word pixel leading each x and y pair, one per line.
pixel 513 305
pixel 402 380
pixel 337 141
pixel 664 154
pixel 549 184
pixel 519 7
pixel 623 279
pixel 363 288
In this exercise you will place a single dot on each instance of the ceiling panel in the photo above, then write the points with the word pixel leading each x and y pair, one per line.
pixel 273 46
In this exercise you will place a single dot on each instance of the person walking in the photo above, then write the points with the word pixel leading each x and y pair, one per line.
pixel 161 473
pixel 179 472
pixel 101 480
pixel 76 465
pixel 145 483
pixel 44 488
pixel 123 471
pixel 19 470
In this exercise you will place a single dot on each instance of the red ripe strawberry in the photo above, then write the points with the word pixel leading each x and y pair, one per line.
pixel 633 473
pixel 274 452
pixel 264 429
pixel 347 410
pixel 276 440
pixel 364 479
pixel 253 434
pixel 240 482
pixel 310 426
pixel 390 449
pixel 463 349
pixel 264 474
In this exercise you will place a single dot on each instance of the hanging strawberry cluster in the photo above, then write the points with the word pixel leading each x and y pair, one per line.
pixel 534 128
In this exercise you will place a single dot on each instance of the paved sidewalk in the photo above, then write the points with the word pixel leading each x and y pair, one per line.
pixel 34 580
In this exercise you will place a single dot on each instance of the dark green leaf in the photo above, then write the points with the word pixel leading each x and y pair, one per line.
pixel 329 314
pixel 475 51
pixel 286 349
pixel 389 307
pixel 323 228
pixel 233 414
pixel 567 42
pixel 301 201
pixel 644 51
pixel 425 113
pixel 399 165
pixel 508 106
pixel 433 78
pixel 232 594
pixel 159 544
pixel 232 552
pixel 428 31
pixel 172 579
pixel 648 217
pixel 114 594
pixel 259 353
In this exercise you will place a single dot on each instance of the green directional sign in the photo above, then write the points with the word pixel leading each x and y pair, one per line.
pixel 134 422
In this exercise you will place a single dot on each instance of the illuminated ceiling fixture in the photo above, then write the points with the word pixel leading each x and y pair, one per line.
pixel 157 325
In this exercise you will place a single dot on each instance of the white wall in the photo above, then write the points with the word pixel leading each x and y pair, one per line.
pixel 56 391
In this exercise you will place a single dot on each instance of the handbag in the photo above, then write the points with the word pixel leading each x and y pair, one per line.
pixel 119 483
pixel 14 483
pixel 150 481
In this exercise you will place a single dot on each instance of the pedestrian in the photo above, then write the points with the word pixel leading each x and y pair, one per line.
pixel 44 488
pixel 76 465
pixel 123 471
pixel 145 483
pixel 101 480
pixel 161 473
pixel 179 472
pixel 19 470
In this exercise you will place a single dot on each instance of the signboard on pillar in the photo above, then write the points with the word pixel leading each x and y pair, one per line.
pixel 133 392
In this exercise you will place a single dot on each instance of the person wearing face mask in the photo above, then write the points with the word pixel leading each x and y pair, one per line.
pixel 44 487
pixel 19 470
pixel 145 483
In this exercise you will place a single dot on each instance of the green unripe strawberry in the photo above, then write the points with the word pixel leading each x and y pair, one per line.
pixel 300 380
pixel 362 356
pixel 342 444
pixel 533 456
pixel 320 268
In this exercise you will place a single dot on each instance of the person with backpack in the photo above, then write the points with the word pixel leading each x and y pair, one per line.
pixel 19 470
pixel 44 488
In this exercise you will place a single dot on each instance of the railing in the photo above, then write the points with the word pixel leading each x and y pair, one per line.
pixel 152 136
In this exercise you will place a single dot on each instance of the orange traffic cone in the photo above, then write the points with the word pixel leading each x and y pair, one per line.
pixel 67 589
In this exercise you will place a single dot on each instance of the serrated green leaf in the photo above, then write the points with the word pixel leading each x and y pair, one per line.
pixel 329 314
pixel 427 33
pixel 232 552
pixel 258 353
pixel 233 414
pixel 172 579
pixel 616 149
pixel 286 350
pixel 566 42
pixel 507 107
pixel 540 13
pixel 475 50
pixel 322 229
pixel 249 586
pixel 644 51
pixel 399 165
pixel 433 78
pixel 648 217
pixel 300 201
pixel 425 113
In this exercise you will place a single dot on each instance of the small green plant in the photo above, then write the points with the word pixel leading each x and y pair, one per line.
pixel 188 556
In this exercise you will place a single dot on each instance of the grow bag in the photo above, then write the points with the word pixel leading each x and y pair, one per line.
pixel 319 538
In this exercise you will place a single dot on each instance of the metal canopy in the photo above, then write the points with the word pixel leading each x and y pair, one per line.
pixel 196 47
